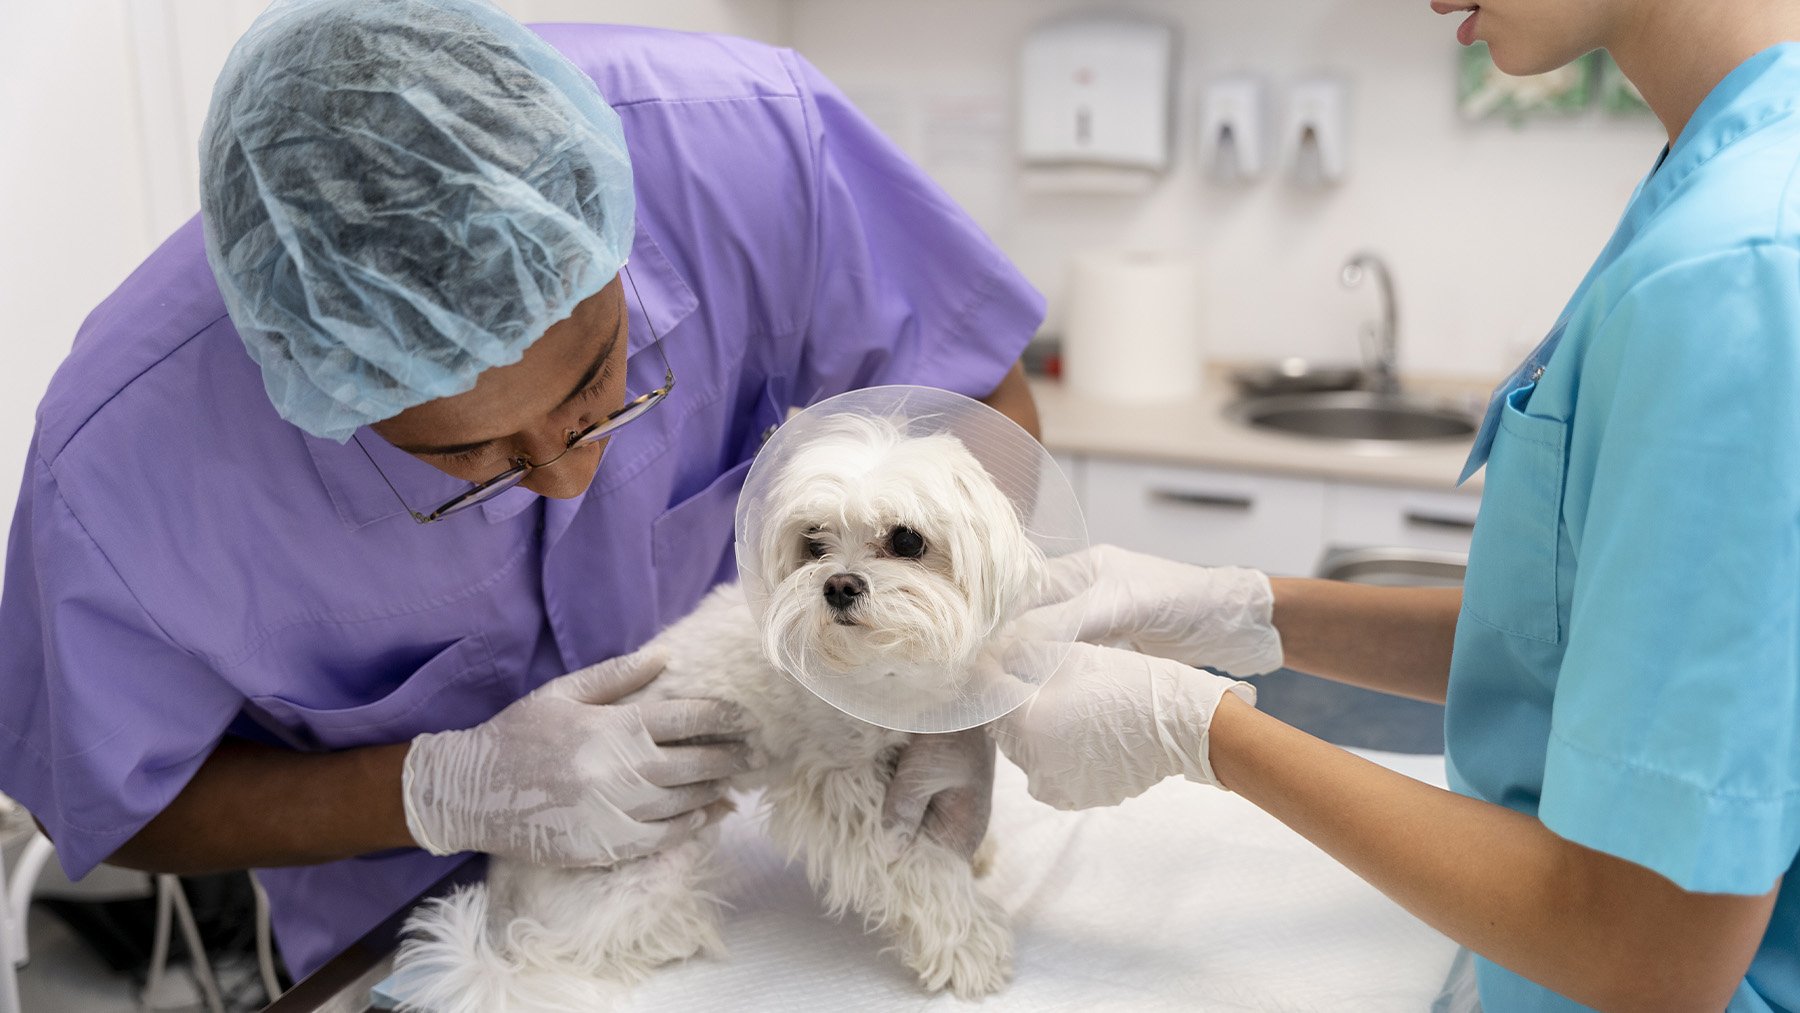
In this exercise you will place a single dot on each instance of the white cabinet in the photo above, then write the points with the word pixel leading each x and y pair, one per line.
pixel 1280 524
pixel 1360 516
pixel 1209 517
pixel 1074 468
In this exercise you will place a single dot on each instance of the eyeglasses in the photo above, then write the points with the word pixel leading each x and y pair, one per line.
pixel 482 492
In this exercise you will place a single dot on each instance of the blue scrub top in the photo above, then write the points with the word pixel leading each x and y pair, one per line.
pixel 1627 661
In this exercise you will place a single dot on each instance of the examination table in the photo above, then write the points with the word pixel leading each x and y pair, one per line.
pixel 1185 898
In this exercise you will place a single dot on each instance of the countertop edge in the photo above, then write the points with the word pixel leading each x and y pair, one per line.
pixel 1195 432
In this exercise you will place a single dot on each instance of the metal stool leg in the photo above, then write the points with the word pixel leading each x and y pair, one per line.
pixel 265 941
pixel 9 978
pixel 18 892
pixel 159 942
pixel 171 901
pixel 190 931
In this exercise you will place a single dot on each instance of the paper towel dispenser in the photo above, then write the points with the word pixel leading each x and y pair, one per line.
pixel 1097 91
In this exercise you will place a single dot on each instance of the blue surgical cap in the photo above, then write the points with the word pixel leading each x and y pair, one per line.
pixel 401 194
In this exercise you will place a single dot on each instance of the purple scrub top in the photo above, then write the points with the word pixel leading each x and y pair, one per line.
pixel 185 565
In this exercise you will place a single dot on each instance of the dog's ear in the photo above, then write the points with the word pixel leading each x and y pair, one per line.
pixel 1000 566
pixel 780 551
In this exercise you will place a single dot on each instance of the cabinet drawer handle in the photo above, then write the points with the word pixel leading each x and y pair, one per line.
pixel 1221 501
pixel 1420 520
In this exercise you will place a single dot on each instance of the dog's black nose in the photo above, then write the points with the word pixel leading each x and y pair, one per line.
pixel 842 589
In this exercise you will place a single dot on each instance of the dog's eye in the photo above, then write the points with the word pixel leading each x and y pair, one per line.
pixel 815 548
pixel 906 543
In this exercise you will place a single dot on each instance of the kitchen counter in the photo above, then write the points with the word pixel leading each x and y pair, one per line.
pixel 1196 432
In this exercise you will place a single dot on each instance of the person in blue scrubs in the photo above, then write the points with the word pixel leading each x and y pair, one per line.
pixel 1622 667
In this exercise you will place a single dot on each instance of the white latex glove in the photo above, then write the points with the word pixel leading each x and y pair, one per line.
pixel 1220 617
pixel 567 777
pixel 1111 723
pixel 944 786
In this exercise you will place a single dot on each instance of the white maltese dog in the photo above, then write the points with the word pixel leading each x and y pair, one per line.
pixel 882 553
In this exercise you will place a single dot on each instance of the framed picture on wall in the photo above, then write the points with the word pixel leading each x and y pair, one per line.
pixel 1484 92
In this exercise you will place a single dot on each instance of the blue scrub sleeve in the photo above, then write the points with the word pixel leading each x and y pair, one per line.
pixel 1675 736
pixel 102 719
pixel 906 287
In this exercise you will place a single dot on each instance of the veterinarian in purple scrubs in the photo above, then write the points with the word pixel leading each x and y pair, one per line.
pixel 363 478
pixel 1622 666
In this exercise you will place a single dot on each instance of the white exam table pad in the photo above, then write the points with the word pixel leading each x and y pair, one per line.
pixel 1186 898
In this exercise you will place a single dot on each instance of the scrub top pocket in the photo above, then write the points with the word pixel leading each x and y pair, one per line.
pixel 691 542
pixel 1513 582
pixel 406 711
pixel 692 545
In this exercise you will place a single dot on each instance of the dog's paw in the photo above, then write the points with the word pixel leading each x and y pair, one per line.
pixel 977 964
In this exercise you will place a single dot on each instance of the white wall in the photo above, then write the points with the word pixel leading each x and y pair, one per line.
pixel 1488 229
pixel 756 19
pixel 73 212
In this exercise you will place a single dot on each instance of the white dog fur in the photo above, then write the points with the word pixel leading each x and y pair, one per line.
pixel 540 939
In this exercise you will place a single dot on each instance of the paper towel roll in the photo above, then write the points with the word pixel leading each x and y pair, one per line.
pixel 1132 330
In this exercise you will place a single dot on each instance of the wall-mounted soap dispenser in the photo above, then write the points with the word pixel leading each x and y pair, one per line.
pixel 1096 96
pixel 1316 141
pixel 1234 131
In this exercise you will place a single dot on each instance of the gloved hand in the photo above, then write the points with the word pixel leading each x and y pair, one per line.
pixel 943 786
pixel 567 777
pixel 1111 723
pixel 1220 617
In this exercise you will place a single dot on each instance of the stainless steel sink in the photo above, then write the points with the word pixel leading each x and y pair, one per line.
pixel 1395 567
pixel 1356 415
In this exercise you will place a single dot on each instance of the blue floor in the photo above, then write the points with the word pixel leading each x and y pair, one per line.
pixel 1350 716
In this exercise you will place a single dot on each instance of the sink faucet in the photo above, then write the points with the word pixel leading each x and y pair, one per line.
pixel 1382 359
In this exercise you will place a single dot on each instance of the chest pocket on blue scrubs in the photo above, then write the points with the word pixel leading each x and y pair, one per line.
pixel 1512 581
